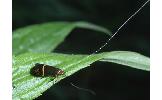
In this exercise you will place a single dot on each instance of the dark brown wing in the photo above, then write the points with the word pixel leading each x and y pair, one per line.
pixel 37 70
pixel 42 70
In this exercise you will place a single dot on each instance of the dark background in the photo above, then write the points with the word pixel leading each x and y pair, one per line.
pixel 109 81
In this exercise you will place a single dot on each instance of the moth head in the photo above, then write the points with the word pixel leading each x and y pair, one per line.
pixel 60 72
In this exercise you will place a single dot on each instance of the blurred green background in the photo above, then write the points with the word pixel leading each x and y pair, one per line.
pixel 121 82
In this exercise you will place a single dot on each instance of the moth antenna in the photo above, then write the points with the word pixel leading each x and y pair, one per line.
pixel 102 46
pixel 109 39
pixel 83 89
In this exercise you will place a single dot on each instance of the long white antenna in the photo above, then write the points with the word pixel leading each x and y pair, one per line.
pixel 113 34
pixel 120 28
pixel 88 90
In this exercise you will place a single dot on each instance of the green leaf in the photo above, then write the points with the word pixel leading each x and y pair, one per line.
pixel 29 87
pixel 46 37
pixel 128 58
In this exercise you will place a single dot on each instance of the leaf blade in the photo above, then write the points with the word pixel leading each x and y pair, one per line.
pixel 29 87
pixel 132 59
pixel 46 37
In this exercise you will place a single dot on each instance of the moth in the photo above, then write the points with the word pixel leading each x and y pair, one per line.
pixel 42 70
